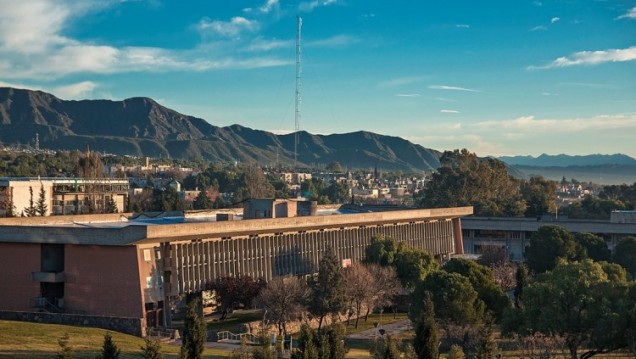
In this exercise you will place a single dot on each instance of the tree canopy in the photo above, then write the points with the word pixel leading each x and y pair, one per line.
pixel 548 245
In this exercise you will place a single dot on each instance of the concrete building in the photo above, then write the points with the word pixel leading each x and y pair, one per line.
pixel 513 234
pixel 121 272
pixel 63 195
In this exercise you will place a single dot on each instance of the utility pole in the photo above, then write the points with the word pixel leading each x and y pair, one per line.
pixel 299 24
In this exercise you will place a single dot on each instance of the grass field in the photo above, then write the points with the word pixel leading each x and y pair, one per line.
pixel 34 340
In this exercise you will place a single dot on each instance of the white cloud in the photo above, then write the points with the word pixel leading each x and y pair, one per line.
pixel 462 26
pixel 268 6
pixel 444 99
pixel 451 88
pixel 309 6
pixel 232 28
pixel 32 45
pixel 334 41
pixel 592 58
pixel 554 19
pixel 530 124
pixel 631 14
pixel 539 28
pixel 260 44
pixel 408 95
pixel 449 111
pixel 401 81
pixel 549 94
pixel 79 90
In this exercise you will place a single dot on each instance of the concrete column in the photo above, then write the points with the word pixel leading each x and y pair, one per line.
pixel 457 233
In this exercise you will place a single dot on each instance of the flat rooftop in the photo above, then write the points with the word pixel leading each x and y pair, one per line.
pixel 125 229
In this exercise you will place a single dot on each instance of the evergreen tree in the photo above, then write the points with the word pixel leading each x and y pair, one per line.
pixel 307 348
pixel 109 349
pixel 264 351
pixel 426 342
pixel 202 201
pixel 487 346
pixel 30 210
pixel 328 288
pixel 41 207
pixel 194 330
pixel 111 206
pixel 386 348
pixel 522 280
pixel 151 349
pixel 336 334
pixel 65 350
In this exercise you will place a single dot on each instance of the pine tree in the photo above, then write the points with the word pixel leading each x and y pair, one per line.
pixel 30 210
pixel 194 330
pixel 307 348
pixel 487 346
pixel 41 207
pixel 65 350
pixel 336 337
pixel 109 349
pixel 111 206
pixel 328 288
pixel 202 201
pixel 151 349
pixel 426 342
pixel 521 277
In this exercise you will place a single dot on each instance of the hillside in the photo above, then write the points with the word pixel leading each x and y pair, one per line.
pixel 142 127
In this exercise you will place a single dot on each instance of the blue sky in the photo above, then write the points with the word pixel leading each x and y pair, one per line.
pixel 496 77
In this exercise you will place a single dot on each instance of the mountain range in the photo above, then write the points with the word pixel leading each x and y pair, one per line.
pixel 142 127
pixel 562 160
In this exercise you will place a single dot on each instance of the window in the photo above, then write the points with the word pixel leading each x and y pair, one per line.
pixel 147 256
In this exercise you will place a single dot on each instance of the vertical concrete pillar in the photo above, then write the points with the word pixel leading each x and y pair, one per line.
pixel 457 233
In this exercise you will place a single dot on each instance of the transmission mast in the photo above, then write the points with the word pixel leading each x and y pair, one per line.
pixel 299 24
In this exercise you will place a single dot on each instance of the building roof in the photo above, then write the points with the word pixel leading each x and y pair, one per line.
pixel 124 229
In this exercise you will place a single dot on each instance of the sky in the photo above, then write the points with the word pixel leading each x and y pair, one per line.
pixel 496 77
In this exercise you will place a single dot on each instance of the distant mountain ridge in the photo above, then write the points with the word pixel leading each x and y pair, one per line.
pixel 142 127
pixel 563 160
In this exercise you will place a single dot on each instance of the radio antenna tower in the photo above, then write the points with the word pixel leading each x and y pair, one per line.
pixel 299 24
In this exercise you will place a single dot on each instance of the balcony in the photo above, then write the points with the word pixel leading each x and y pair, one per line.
pixel 48 277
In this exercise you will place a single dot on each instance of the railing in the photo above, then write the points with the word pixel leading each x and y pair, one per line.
pixel 45 304
pixel 163 334
pixel 247 338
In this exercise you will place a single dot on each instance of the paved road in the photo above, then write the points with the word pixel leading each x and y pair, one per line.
pixel 391 329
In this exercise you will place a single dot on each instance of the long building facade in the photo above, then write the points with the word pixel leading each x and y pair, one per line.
pixel 120 272
pixel 513 234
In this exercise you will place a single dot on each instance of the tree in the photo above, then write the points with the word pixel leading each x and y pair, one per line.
pixel 307 348
pixel 337 192
pixel 466 180
pixel 521 276
pixel 386 348
pixel 455 299
pixel 41 207
pixel 30 210
pixel 486 346
pixel 283 299
pixel 586 303
pixel 386 288
pixel 549 244
pixel 594 246
pixel 455 352
pixel 65 352
pixel 335 167
pixel 482 280
pixel 265 350
pixel 413 265
pixel 109 348
pixel 194 329
pixel 360 287
pixel 382 250
pixel 328 288
pixel 540 196
pixel 151 349
pixel 111 206
pixel 202 201
pixel 625 255
pixel 335 334
pixel 426 341
pixel 233 292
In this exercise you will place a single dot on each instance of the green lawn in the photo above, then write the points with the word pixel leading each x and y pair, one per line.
pixel 34 340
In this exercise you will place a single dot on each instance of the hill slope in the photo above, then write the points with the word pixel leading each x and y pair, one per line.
pixel 562 160
pixel 142 127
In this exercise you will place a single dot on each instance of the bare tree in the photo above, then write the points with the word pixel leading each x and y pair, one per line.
pixel 504 275
pixel 283 300
pixel 360 288
pixel 386 289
